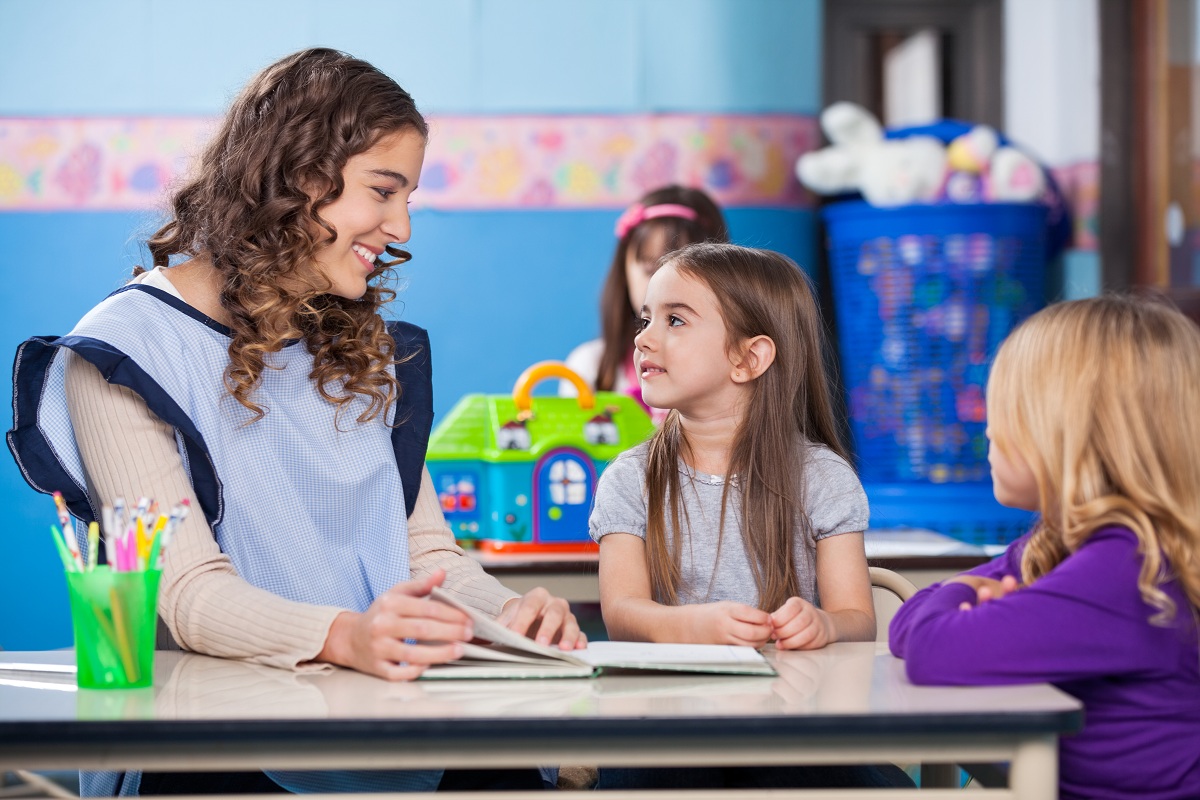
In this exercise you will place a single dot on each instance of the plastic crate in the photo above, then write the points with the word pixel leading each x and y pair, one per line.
pixel 967 511
pixel 923 296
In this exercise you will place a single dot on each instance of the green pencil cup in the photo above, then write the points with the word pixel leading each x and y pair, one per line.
pixel 115 617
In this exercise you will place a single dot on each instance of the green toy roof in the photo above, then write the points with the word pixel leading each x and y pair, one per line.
pixel 469 431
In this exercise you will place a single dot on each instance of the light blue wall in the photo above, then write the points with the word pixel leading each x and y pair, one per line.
pixel 133 57
pixel 1080 274
pixel 497 289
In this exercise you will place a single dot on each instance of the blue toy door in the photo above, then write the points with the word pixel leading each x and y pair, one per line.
pixel 564 481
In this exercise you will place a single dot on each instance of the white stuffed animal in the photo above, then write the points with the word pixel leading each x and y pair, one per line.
pixel 973 168
pixel 888 172
pixel 836 169
pixel 901 171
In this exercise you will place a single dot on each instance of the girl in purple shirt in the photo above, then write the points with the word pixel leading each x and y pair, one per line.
pixel 1093 420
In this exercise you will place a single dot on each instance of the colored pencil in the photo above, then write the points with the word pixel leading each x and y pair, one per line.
pixel 63 553
pixel 93 553
pixel 68 531
pixel 123 642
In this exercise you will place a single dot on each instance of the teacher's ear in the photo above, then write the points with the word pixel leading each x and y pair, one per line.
pixel 758 353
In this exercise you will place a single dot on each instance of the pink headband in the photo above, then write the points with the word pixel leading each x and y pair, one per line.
pixel 637 213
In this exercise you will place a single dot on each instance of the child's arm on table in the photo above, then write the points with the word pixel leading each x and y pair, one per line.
pixel 1083 619
pixel 630 613
pixel 847 612
pixel 208 607
pixel 1007 563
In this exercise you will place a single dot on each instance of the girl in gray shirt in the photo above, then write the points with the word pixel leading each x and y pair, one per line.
pixel 740 521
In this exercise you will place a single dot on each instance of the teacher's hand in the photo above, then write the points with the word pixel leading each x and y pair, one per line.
pixel 544 618
pixel 374 641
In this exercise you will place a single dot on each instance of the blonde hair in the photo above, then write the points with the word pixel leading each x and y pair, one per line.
pixel 759 293
pixel 1101 397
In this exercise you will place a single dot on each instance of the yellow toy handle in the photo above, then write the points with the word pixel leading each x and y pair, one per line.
pixel 536 373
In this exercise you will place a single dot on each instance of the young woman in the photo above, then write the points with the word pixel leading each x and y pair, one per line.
pixel 252 372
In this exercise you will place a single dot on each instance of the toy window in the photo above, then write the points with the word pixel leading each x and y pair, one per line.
pixel 568 483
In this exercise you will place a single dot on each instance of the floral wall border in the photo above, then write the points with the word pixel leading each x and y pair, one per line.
pixel 107 164
pixel 519 162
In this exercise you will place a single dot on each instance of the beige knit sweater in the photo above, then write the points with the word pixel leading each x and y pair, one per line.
pixel 127 451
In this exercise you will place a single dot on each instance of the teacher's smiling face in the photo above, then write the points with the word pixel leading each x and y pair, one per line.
pixel 372 211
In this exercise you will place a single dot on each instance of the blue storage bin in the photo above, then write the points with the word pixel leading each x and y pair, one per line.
pixel 923 297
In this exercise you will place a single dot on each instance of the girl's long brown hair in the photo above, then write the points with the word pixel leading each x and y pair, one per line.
pixel 648 242
pixel 759 293
pixel 250 210
pixel 1099 397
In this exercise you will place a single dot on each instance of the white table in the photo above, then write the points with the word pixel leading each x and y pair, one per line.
pixel 849 703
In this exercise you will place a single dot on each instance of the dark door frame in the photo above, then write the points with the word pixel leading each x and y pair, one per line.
pixel 976 30
pixel 1133 141
pixel 1119 106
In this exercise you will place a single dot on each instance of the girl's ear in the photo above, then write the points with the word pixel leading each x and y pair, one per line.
pixel 757 354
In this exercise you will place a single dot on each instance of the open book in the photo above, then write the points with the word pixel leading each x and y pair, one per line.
pixel 508 654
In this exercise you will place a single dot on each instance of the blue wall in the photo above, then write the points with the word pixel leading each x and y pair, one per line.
pixel 132 57
pixel 497 289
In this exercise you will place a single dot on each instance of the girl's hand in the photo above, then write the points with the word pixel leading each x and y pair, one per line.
pixel 544 618
pixel 986 588
pixel 799 625
pixel 727 622
pixel 374 641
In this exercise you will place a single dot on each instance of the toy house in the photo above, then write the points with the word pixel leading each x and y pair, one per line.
pixel 519 473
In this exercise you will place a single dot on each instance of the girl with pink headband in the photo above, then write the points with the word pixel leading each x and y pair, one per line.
pixel 663 220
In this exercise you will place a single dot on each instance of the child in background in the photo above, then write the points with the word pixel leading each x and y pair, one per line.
pixel 251 371
pixel 661 221
pixel 1092 421
pixel 741 511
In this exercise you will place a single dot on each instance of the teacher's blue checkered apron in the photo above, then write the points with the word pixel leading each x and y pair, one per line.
pixel 306 502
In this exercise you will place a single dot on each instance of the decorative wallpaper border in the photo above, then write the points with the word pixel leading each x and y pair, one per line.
pixel 561 162
pixel 106 164
pixel 1080 185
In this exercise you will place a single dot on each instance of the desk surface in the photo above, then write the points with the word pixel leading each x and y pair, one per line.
pixel 242 715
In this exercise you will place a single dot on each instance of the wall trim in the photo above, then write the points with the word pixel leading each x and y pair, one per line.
pixel 521 162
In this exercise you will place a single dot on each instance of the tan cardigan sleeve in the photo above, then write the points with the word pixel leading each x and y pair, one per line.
pixel 431 545
pixel 129 452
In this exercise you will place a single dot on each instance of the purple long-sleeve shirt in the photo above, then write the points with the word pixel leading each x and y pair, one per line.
pixel 1084 628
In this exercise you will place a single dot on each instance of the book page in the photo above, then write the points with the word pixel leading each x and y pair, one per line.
pixel 602 654
pixel 666 657
pixel 506 670
pixel 514 655
pixel 491 631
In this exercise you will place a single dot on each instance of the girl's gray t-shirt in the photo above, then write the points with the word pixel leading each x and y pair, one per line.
pixel 832 497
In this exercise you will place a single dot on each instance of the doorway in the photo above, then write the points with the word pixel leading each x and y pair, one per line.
pixel 901 59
